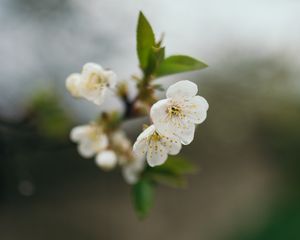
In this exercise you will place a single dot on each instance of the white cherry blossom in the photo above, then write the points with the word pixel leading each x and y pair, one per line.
pixel 72 84
pixel 131 165
pixel 106 160
pixel 120 141
pixel 131 170
pixel 156 146
pixel 95 81
pixel 90 138
pixel 178 114
pixel 92 84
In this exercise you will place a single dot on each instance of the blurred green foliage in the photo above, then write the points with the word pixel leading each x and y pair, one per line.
pixel 50 119
pixel 280 133
pixel 261 99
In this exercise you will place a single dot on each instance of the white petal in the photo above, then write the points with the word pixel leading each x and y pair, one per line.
pixel 90 68
pixel 156 154
pixel 130 176
pixel 182 127
pixel 101 142
pixel 196 109
pixel 140 148
pixel 146 133
pixel 79 132
pixel 131 172
pixel 186 135
pixel 97 97
pixel 72 83
pixel 93 83
pixel 172 144
pixel 86 149
pixel 120 141
pixel 111 78
pixel 160 118
pixel 201 102
pixel 106 160
pixel 182 89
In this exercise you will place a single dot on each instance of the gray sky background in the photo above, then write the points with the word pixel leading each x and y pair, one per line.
pixel 41 42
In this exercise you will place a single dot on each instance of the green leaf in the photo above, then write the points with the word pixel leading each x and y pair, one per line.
pixel 156 56
pixel 178 64
pixel 159 53
pixel 178 165
pixel 168 178
pixel 172 172
pixel 143 197
pixel 145 40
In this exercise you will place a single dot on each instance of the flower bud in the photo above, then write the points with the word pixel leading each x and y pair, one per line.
pixel 106 160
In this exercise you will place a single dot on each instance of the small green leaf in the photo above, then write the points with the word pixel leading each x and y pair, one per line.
pixel 177 64
pixel 143 197
pixel 172 172
pixel 145 40
pixel 178 165
pixel 159 53
pixel 169 178
pixel 156 56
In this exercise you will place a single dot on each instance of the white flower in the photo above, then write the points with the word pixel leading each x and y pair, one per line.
pixel 132 170
pixel 90 138
pixel 95 81
pixel 156 146
pixel 92 83
pixel 131 165
pixel 72 83
pixel 120 141
pixel 106 160
pixel 179 113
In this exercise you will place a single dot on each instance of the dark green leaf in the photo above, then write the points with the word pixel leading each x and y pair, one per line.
pixel 168 178
pixel 159 53
pixel 156 56
pixel 178 165
pixel 177 64
pixel 172 172
pixel 145 40
pixel 143 197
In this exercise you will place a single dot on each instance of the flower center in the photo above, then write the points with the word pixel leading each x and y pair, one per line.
pixel 174 110
pixel 155 137
pixel 95 133
pixel 95 82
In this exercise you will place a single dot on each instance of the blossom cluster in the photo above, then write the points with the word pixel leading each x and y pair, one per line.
pixel 174 120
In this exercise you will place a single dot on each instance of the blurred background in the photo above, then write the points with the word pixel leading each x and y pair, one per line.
pixel 248 149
